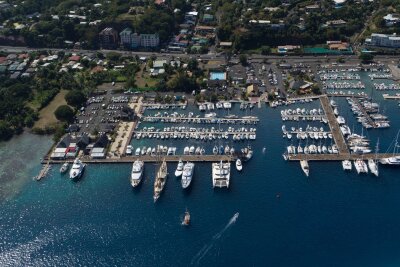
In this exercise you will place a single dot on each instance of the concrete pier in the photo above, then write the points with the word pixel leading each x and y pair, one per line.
pixel 334 126
pixel 338 157
pixel 148 158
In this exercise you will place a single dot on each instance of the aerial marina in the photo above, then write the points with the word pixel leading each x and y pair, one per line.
pixel 315 128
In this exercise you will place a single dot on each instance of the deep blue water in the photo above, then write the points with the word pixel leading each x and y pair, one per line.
pixel 331 218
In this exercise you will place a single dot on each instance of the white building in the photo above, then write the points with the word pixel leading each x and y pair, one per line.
pixel 384 40
pixel 149 40
pixel 125 37
pixel 135 40
pixel 391 19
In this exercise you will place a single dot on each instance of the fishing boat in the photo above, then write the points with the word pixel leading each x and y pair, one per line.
pixel 186 219
pixel 137 173
pixel 64 168
pixel 161 178
pixel 305 167
pixel 179 168
pixel 239 165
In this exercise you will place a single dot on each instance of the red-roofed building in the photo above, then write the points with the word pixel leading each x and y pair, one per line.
pixel 23 56
pixel 2 60
pixel 74 58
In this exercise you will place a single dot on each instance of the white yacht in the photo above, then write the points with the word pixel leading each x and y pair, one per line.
pixel 179 168
pixel 221 174
pixel 361 166
pixel 391 161
pixel 76 169
pixel 187 174
pixel 305 167
pixel 239 165
pixel 341 120
pixel 129 150
pixel 346 165
pixel 137 152
pixel 373 167
pixel 64 167
pixel 137 172
pixel 161 178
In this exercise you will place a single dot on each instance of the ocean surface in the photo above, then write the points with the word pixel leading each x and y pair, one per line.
pixel 331 218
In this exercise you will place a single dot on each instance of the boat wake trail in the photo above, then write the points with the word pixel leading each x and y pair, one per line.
pixel 204 250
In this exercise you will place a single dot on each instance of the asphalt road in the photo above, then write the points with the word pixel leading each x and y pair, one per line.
pixel 220 56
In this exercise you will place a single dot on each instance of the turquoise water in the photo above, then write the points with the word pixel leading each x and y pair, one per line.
pixel 217 76
pixel 332 218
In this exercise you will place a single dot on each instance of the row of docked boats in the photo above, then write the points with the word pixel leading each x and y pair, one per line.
pixel 310 132
pixel 220 174
pixel 156 106
pixel 76 170
pixel 311 149
pixel 151 151
pixel 289 101
pixel 343 85
pixel 218 105
pixel 373 76
pixel 367 114
pixel 361 166
pixel 382 86
pixel 302 111
pixel 207 119
pixel 339 76
pixel 204 134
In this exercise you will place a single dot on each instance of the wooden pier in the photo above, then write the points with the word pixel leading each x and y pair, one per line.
pixel 149 158
pixel 338 157
pixel 334 126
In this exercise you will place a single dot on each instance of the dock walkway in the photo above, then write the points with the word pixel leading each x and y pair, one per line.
pixel 365 113
pixel 334 126
pixel 214 120
pixel 338 157
pixel 149 158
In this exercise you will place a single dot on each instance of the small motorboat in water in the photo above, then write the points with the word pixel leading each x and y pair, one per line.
pixel 186 219
pixel 239 165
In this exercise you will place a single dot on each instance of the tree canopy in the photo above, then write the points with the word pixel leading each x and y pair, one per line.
pixel 64 113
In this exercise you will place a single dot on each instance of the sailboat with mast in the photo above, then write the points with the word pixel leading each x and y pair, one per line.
pixel 394 160
pixel 161 178
pixel 373 163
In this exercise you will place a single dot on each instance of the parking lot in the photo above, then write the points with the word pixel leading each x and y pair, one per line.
pixel 102 112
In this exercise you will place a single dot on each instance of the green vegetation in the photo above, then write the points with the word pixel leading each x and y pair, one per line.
pixel 75 98
pixel 64 113
pixel 366 57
